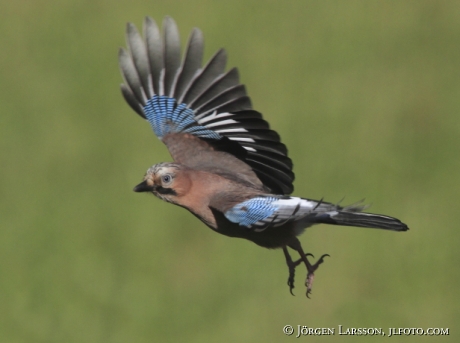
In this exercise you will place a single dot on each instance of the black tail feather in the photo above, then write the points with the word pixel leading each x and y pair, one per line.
pixel 359 219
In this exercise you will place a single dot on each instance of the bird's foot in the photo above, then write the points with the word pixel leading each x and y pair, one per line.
pixel 311 272
pixel 292 265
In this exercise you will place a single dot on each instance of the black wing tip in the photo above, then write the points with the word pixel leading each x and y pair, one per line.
pixel 403 227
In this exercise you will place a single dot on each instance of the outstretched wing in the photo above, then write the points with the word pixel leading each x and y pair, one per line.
pixel 182 98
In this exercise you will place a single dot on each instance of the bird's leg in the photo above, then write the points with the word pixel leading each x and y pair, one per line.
pixel 311 268
pixel 291 265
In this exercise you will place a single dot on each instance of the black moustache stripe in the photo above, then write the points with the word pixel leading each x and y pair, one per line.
pixel 166 191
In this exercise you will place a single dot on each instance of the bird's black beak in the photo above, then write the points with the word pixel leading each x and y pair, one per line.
pixel 143 187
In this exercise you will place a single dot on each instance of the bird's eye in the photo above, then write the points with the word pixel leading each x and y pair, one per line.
pixel 166 178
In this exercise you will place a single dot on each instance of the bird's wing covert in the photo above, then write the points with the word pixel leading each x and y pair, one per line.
pixel 180 96
pixel 261 212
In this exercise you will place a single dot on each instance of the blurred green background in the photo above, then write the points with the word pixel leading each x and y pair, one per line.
pixel 365 94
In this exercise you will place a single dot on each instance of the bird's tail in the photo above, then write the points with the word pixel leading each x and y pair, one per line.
pixel 352 216
pixel 370 220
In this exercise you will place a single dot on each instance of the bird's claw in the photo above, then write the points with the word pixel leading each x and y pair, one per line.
pixel 311 273
pixel 292 265
pixel 291 283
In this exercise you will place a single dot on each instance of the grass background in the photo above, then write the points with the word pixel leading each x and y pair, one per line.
pixel 366 95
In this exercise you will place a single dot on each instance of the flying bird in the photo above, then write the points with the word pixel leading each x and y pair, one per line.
pixel 229 168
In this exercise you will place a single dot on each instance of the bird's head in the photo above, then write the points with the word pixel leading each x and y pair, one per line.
pixel 165 180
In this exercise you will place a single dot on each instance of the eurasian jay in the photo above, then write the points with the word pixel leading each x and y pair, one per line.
pixel 230 169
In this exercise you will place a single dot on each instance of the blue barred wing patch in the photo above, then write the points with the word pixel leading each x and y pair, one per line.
pixel 166 116
pixel 252 211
